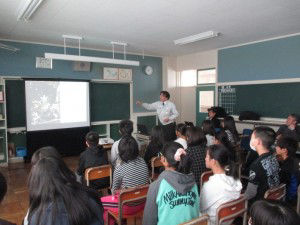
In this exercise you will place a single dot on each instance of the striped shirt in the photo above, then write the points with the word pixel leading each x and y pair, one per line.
pixel 131 174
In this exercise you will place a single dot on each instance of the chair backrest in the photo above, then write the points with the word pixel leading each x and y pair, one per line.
pixel 98 172
pixel 298 201
pixel 155 162
pixel 277 193
pixel 231 210
pixel 131 196
pixel 205 176
pixel 202 220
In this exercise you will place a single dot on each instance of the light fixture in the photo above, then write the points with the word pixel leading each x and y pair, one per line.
pixel 28 8
pixel 8 47
pixel 93 59
pixel 196 37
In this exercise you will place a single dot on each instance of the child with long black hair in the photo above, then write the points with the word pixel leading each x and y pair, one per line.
pixel 173 198
pixel 230 129
pixel 55 197
pixel 223 186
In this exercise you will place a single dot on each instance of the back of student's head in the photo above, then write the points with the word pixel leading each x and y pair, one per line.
pixel 222 138
pixel 181 128
pixel 47 151
pixel 183 165
pixel 157 135
pixel 269 212
pixel 51 182
pixel 222 155
pixel 288 143
pixel 3 186
pixel 229 124
pixel 92 138
pixel 126 127
pixel 195 137
pixel 208 128
pixel 128 149
pixel 266 134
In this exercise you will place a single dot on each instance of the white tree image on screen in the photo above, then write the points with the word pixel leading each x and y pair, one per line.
pixel 56 104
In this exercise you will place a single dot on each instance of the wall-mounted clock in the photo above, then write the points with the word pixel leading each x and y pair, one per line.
pixel 148 70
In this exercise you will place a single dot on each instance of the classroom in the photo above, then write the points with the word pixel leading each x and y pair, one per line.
pixel 134 76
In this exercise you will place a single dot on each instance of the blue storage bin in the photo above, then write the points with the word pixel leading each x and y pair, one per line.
pixel 21 151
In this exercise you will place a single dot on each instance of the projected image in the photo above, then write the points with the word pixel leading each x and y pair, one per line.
pixel 56 104
pixel 45 103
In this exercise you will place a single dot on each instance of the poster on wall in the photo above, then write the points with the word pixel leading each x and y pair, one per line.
pixel 110 73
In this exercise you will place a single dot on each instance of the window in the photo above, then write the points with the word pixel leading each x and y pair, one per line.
pixel 188 78
pixel 207 76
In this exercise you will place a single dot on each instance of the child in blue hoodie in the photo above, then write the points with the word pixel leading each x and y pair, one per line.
pixel 173 198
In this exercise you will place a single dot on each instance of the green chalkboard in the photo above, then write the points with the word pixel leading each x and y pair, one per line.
pixel 269 100
pixel 15 103
pixel 109 101
pixel 148 121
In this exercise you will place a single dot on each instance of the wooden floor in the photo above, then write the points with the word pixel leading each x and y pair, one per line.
pixel 15 204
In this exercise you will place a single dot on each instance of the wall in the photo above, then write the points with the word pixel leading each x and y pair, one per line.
pixel 22 64
pixel 273 59
pixel 186 96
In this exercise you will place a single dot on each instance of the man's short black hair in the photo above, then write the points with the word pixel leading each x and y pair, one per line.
pixel 126 127
pixel 92 138
pixel 289 143
pixel 3 186
pixel 128 149
pixel 166 94
pixel 214 109
pixel 295 117
pixel 266 134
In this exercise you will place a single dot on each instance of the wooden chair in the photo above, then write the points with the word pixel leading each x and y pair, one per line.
pixel 129 196
pixel 202 220
pixel 277 193
pixel 298 201
pixel 205 176
pixel 155 163
pixel 231 210
pixel 98 172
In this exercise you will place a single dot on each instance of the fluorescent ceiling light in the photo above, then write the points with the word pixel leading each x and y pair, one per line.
pixel 91 59
pixel 197 37
pixel 8 47
pixel 28 8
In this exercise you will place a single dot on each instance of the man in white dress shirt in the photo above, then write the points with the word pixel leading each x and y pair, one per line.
pixel 166 112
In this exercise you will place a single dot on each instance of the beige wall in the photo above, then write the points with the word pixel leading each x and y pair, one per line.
pixel 185 97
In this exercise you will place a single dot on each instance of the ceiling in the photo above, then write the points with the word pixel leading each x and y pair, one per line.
pixel 152 25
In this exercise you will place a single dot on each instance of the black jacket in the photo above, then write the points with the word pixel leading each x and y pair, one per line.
pixel 91 157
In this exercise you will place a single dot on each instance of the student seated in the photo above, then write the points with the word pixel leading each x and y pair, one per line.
pixel 93 156
pixel 131 172
pixel 212 114
pixel 155 145
pixel 272 213
pixel 289 166
pixel 223 186
pixel 125 129
pixel 3 190
pixel 173 198
pixel 290 129
pixel 57 198
pixel 196 151
pixel 181 136
pixel 209 132
pixel 229 126
pixel 221 138
pixel 264 171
